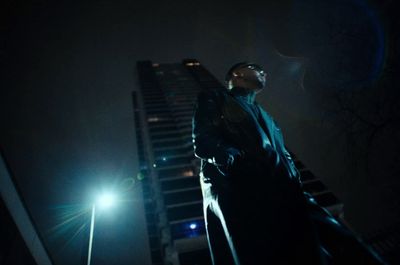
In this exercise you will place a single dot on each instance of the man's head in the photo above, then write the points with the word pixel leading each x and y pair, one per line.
pixel 247 75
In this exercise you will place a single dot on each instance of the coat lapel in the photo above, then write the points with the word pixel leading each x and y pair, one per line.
pixel 268 125
pixel 264 130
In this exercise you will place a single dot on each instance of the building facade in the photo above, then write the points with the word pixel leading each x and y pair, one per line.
pixel 168 169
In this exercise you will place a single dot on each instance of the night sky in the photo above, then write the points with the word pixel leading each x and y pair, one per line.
pixel 68 70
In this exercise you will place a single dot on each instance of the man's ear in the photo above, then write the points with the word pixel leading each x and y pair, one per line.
pixel 229 84
pixel 232 82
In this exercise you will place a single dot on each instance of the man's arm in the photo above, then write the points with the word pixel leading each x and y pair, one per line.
pixel 295 171
pixel 209 143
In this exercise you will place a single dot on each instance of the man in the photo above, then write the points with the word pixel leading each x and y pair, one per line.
pixel 254 206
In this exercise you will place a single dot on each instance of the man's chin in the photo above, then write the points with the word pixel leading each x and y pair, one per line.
pixel 260 86
pixel 258 90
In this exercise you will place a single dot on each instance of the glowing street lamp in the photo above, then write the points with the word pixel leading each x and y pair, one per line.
pixel 105 201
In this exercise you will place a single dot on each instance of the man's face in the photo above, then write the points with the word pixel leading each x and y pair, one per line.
pixel 249 77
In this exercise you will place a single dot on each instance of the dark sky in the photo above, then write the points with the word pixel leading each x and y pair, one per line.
pixel 67 120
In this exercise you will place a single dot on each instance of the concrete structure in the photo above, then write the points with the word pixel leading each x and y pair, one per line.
pixel 20 242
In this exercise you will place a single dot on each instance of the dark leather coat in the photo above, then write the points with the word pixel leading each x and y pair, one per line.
pixel 254 208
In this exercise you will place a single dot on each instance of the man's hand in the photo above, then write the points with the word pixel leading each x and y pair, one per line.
pixel 234 155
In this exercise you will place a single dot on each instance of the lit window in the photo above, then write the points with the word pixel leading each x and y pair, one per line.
pixel 188 173
pixel 153 119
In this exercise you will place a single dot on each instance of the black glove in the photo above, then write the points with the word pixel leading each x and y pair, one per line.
pixel 233 156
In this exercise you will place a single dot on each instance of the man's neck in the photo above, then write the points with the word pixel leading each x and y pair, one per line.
pixel 248 94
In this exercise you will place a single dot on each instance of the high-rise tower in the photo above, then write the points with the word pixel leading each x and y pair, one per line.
pixel 169 171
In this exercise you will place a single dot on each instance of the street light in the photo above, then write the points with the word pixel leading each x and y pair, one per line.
pixel 105 201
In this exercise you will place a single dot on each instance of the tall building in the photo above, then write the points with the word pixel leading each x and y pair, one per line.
pixel 168 169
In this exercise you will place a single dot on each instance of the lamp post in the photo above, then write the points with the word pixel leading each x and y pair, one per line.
pixel 106 200
pixel 91 234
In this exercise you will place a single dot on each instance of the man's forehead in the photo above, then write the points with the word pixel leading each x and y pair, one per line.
pixel 250 66
pixel 247 69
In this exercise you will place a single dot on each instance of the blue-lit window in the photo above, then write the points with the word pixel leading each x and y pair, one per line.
pixel 188 229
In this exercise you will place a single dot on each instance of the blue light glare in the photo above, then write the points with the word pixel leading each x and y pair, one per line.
pixel 164 158
pixel 193 226
pixel 106 200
